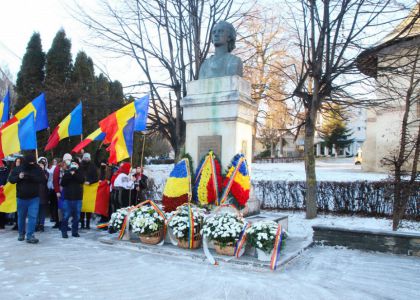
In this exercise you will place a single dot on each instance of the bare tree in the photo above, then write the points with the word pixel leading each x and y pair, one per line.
pixel 394 65
pixel 168 40
pixel 401 82
pixel 262 48
pixel 329 35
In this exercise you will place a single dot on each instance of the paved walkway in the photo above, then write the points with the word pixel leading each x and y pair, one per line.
pixel 83 268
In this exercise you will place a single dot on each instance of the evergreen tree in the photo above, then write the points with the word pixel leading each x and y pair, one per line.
pixel 30 79
pixel 83 88
pixel 59 98
pixel 334 131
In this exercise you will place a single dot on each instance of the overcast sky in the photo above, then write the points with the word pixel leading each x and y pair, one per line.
pixel 20 18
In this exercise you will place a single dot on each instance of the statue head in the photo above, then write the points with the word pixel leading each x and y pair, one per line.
pixel 224 32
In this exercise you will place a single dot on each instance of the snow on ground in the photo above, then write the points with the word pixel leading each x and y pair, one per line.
pixel 326 170
pixel 301 227
pixel 83 268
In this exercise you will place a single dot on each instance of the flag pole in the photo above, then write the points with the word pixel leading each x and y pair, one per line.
pixel 142 151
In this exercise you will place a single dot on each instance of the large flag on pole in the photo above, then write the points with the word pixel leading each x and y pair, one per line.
pixel 142 109
pixel 38 107
pixel 5 108
pixel 18 136
pixel 121 146
pixel 118 119
pixel 70 126
pixel 97 135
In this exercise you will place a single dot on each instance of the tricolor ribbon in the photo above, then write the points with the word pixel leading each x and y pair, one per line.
pixel 153 205
pixel 214 176
pixel 102 225
pixel 191 229
pixel 229 185
pixel 241 241
pixel 276 249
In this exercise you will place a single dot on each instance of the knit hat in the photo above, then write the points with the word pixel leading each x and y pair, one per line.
pixel 86 156
pixel 67 156
pixel 29 158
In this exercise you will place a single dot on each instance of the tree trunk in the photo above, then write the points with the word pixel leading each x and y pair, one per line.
pixel 311 190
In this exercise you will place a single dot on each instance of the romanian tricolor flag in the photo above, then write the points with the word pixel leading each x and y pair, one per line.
pixel 18 136
pixel 237 181
pixel 121 146
pixel 142 110
pixel 70 126
pixel 8 203
pixel 39 107
pixel 118 119
pixel 96 198
pixel 208 180
pixel 4 108
pixel 97 135
pixel 178 186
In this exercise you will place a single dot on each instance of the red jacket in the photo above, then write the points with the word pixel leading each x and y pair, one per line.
pixel 56 179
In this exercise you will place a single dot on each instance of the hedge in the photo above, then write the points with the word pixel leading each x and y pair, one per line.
pixel 372 198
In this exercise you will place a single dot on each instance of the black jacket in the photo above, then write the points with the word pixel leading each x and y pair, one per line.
pixel 89 172
pixel 28 186
pixel 43 189
pixel 72 185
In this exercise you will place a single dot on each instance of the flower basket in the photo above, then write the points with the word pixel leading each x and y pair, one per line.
pixel 151 238
pixel 224 230
pixel 262 235
pixel 117 219
pixel 196 242
pixel 148 224
pixel 180 225
pixel 228 250
pixel 264 256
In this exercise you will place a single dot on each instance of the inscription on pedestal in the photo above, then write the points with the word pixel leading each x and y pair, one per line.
pixel 210 142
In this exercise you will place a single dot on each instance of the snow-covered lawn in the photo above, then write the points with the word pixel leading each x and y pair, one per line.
pixel 83 268
pixel 301 227
pixel 326 170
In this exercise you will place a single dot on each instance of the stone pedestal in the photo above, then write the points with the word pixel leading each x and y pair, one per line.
pixel 219 115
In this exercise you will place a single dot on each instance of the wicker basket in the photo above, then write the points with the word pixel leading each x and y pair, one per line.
pixel 152 238
pixel 228 250
pixel 196 243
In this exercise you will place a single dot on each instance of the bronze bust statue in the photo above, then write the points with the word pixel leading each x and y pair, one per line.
pixel 222 63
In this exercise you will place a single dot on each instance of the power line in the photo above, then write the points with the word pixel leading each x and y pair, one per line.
pixel 10 51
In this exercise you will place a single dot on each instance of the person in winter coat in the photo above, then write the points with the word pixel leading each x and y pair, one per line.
pixel 121 185
pixel 52 197
pixel 4 173
pixel 72 183
pixel 57 175
pixel 18 162
pixel 91 176
pixel 140 184
pixel 27 178
pixel 43 195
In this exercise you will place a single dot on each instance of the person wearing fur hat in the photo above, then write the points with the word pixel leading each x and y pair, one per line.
pixel 72 183
pixel 27 177
pixel 90 175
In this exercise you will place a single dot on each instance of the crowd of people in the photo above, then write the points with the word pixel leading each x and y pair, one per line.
pixel 58 188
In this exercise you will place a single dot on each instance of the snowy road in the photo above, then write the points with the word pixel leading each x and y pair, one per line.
pixel 86 269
